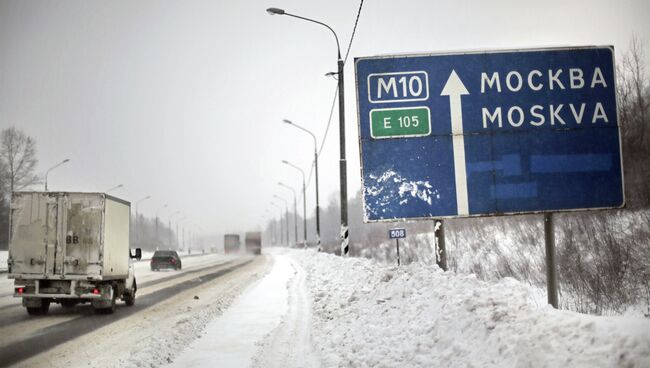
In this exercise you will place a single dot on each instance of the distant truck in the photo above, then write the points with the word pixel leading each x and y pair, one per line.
pixel 71 248
pixel 253 242
pixel 231 243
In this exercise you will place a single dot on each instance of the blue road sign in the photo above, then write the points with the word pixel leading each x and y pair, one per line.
pixel 486 133
pixel 397 233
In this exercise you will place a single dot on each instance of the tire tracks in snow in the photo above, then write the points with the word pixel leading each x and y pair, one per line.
pixel 290 344
pixel 54 335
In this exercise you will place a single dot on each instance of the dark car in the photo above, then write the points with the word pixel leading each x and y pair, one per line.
pixel 165 259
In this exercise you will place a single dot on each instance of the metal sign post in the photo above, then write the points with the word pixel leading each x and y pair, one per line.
pixel 397 245
pixel 441 249
pixel 397 234
pixel 551 266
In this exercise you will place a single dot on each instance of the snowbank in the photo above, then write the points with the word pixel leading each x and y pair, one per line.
pixel 368 314
pixel 4 255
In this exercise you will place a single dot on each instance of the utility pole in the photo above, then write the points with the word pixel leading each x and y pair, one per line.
pixel 345 234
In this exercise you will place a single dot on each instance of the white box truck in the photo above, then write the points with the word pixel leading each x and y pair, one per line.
pixel 253 242
pixel 71 248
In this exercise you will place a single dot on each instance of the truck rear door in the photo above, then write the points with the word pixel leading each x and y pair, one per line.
pixel 33 233
pixel 82 231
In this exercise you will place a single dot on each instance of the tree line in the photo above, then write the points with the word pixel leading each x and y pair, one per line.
pixel 18 162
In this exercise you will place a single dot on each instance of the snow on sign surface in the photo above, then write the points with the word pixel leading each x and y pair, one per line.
pixel 367 314
pixel 491 132
pixel 390 188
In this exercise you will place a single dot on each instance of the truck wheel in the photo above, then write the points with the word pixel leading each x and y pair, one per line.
pixel 38 311
pixel 129 297
pixel 68 303
pixel 111 308
pixel 34 311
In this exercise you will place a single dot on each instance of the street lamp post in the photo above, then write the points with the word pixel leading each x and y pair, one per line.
pixel 286 215
pixel 169 224
pixel 113 188
pixel 303 185
pixel 52 168
pixel 177 233
pixel 157 213
pixel 342 161
pixel 304 202
pixel 197 241
pixel 279 208
pixel 295 211
pixel 273 226
pixel 137 227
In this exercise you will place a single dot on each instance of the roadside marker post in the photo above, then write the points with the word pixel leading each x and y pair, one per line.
pixel 397 234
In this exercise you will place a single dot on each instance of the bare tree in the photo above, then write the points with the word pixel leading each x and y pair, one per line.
pixel 633 91
pixel 3 178
pixel 17 160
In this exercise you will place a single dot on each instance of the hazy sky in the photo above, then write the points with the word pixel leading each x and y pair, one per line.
pixel 183 100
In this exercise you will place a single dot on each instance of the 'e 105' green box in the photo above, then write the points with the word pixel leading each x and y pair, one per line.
pixel 400 122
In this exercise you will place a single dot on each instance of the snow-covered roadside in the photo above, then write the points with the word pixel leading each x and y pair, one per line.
pixel 268 325
pixel 231 338
pixel 368 314
pixel 290 344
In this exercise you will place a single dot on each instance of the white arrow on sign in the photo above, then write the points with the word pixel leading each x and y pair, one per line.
pixel 454 88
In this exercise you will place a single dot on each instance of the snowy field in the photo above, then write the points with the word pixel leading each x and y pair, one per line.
pixel 370 314
pixel 602 256
pixel 3 260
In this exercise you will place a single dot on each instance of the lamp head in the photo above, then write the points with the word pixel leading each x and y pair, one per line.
pixel 275 11
pixel 287 121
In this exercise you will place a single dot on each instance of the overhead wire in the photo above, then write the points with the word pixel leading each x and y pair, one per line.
pixel 336 90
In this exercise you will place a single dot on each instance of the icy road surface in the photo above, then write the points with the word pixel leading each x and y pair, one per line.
pixel 171 310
